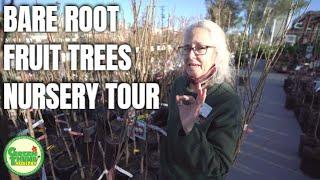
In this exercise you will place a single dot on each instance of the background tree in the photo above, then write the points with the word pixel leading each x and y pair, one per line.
pixel 278 9
pixel 224 12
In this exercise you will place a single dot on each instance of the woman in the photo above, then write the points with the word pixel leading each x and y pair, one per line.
pixel 204 110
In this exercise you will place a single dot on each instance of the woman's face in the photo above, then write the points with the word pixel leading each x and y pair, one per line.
pixel 197 64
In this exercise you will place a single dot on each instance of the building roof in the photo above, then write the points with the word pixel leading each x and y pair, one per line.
pixel 314 15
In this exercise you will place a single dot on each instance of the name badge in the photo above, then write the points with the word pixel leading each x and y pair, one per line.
pixel 205 110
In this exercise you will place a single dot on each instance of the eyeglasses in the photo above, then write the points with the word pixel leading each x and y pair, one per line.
pixel 198 50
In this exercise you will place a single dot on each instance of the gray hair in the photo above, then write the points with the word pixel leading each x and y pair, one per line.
pixel 224 66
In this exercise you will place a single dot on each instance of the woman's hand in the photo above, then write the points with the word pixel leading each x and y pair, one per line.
pixel 189 108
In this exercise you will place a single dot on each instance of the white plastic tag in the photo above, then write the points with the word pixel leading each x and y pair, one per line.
pixel 205 110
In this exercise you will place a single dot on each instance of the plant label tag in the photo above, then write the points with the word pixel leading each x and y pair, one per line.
pixel 140 129
pixel 205 110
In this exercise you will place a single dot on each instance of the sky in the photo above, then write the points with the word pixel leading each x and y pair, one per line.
pixel 190 9
pixel 314 5
pixel 181 8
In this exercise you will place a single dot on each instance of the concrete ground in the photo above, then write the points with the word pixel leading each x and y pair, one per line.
pixel 271 150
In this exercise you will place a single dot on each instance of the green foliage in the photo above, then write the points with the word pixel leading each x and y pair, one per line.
pixel 242 57
pixel 317 47
pixel 291 49
pixel 264 52
pixel 1 21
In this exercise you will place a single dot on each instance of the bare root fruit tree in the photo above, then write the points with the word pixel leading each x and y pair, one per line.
pixel 4 115
pixel 256 43
pixel 154 59
pixel 253 46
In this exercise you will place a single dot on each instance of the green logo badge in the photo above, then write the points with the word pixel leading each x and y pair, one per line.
pixel 23 155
